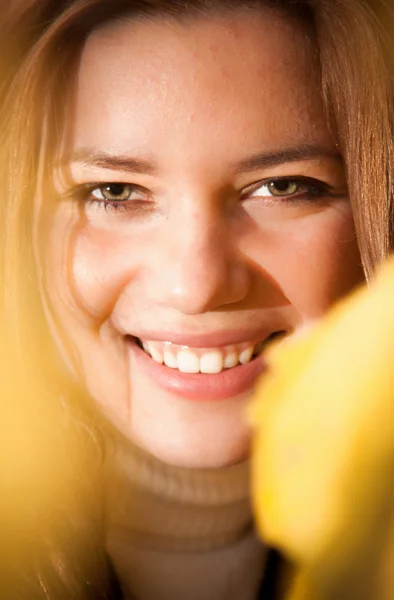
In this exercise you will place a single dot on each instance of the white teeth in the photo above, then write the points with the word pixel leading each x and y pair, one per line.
pixel 231 360
pixel 170 359
pixel 199 360
pixel 188 362
pixel 211 362
pixel 246 355
pixel 156 355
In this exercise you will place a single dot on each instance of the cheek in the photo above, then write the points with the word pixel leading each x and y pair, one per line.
pixel 84 271
pixel 102 265
pixel 95 270
pixel 313 260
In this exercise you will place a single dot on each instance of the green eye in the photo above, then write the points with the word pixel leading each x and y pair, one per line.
pixel 289 190
pixel 118 193
pixel 279 188
pixel 115 192
pixel 283 187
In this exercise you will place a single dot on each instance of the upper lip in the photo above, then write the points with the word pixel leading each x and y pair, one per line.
pixel 212 339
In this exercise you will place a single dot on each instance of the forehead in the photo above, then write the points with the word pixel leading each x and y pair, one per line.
pixel 166 87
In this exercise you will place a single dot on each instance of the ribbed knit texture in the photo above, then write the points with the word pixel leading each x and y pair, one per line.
pixel 176 533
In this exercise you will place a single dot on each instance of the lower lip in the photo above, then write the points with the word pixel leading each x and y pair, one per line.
pixel 200 386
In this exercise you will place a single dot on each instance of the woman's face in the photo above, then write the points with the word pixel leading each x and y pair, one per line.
pixel 204 211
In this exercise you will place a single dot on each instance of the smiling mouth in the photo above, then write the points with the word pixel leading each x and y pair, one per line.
pixel 204 360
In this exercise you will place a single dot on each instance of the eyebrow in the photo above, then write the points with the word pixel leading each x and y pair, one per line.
pixel 119 162
pixel 287 155
pixel 113 162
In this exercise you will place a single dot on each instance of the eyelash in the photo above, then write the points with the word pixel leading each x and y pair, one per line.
pixel 315 189
pixel 84 195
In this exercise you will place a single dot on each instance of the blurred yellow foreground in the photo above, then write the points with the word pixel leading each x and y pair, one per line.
pixel 323 470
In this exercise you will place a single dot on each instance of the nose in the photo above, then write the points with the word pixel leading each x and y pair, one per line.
pixel 199 267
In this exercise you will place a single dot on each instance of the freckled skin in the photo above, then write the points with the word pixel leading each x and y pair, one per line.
pixel 195 98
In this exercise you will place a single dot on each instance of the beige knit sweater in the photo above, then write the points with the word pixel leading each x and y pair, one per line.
pixel 180 534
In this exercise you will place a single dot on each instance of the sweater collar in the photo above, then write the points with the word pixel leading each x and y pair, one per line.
pixel 173 508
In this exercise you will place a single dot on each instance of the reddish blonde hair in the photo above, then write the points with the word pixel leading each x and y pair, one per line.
pixel 61 548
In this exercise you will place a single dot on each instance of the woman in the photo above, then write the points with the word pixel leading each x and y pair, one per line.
pixel 185 182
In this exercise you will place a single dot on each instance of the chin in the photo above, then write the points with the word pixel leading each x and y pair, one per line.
pixel 207 447
pixel 200 457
